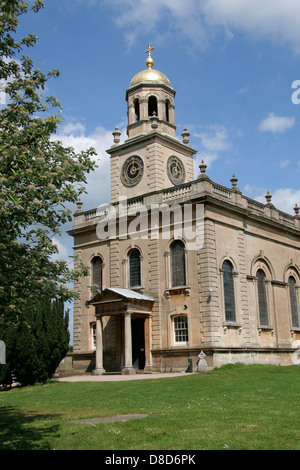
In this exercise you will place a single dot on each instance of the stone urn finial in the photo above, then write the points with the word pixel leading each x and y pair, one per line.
pixel 185 136
pixel 202 167
pixel 116 135
pixel 268 197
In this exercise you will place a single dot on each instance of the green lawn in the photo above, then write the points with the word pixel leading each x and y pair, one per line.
pixel 234 407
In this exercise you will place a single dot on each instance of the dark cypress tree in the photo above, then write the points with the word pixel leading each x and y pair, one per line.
pixel 35 347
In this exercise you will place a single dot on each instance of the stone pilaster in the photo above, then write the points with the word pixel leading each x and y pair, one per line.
pixel 243 288
pixel 77 311
pixel 208 288
pixel 115 265
pixel 154 284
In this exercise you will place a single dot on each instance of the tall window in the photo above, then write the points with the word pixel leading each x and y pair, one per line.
pixel 167 110
pixel 262 297
pixel 181 329
pixel 294 303
pixel 137 110
pixel 97 266
pixel 152 106
pixel 134 259
pixel 228 291
pixel 93 334
pixel 178 277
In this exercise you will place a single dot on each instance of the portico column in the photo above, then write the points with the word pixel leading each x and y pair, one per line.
pixel 128 369
pixel 99 348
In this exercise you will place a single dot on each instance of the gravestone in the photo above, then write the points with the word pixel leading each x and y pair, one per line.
pixel 2 353
pixel 202 364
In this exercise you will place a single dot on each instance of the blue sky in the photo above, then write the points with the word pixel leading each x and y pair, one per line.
pixel 231 62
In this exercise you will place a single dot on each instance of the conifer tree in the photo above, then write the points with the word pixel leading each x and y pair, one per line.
pixel 36 346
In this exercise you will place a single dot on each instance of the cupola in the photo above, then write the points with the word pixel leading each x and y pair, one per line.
pixel 150 96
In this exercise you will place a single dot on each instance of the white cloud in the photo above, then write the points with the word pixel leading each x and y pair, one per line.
pixel 284 163
pixel 98 182
pixel 286 198
pixel 272 19
pixel 214 140
pixel 62 250
pixel 199 20
pixel 276 123
pixel 73 128
pixel 283 199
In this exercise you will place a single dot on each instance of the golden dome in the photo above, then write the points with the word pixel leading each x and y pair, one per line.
pixel 150 75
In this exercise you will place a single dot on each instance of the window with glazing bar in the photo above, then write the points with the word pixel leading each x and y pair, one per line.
pixel 228 291
pixel 97 266
pixel 293 302
pixel 178 276
pixel 134 259
pixel 262 297
pixel 181 329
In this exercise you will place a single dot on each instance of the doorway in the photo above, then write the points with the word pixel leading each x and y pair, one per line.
pixel 138 342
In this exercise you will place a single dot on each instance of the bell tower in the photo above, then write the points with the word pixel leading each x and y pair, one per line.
pixel 150 99
pixel 152 158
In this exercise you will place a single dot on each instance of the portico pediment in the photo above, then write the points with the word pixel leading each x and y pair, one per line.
pixel 115 301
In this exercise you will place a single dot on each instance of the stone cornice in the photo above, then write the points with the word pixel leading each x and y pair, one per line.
pixel 150 137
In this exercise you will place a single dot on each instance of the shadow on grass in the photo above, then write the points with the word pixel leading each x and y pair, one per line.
pixel 18 431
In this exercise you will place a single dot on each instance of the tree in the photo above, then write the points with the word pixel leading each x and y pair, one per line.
pixel 39 177
pixel 36 345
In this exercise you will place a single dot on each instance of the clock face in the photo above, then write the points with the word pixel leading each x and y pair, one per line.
pixel 175 170
pixel 132 171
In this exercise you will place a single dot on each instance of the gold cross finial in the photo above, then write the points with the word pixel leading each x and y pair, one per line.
pixel 150 49
pixel 149 60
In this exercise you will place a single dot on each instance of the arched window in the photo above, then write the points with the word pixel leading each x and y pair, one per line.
pixel 152 106
pixel 134 259
pixel 137 110
pixel 97 267
pixel 181 333
pixel 228 291
pixel 262 297
pixel 293 301
pixel 178 276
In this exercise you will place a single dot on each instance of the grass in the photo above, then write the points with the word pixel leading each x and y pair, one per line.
pixel 234 407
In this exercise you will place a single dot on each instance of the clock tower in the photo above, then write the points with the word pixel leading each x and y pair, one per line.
pixel 151 158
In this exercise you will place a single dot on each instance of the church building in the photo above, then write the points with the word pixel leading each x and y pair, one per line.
pixel 180 266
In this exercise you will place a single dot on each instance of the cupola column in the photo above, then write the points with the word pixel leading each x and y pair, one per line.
pixel 131 114
pixel 144 109
pixel 161 108
pixel 172 113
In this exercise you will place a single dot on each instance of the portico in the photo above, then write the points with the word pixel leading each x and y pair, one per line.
pixel 132 314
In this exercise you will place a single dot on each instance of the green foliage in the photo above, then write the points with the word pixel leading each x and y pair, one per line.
pixel 38 176
pixel 35 347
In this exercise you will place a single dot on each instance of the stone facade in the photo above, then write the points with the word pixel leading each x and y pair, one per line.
pixel 237 295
